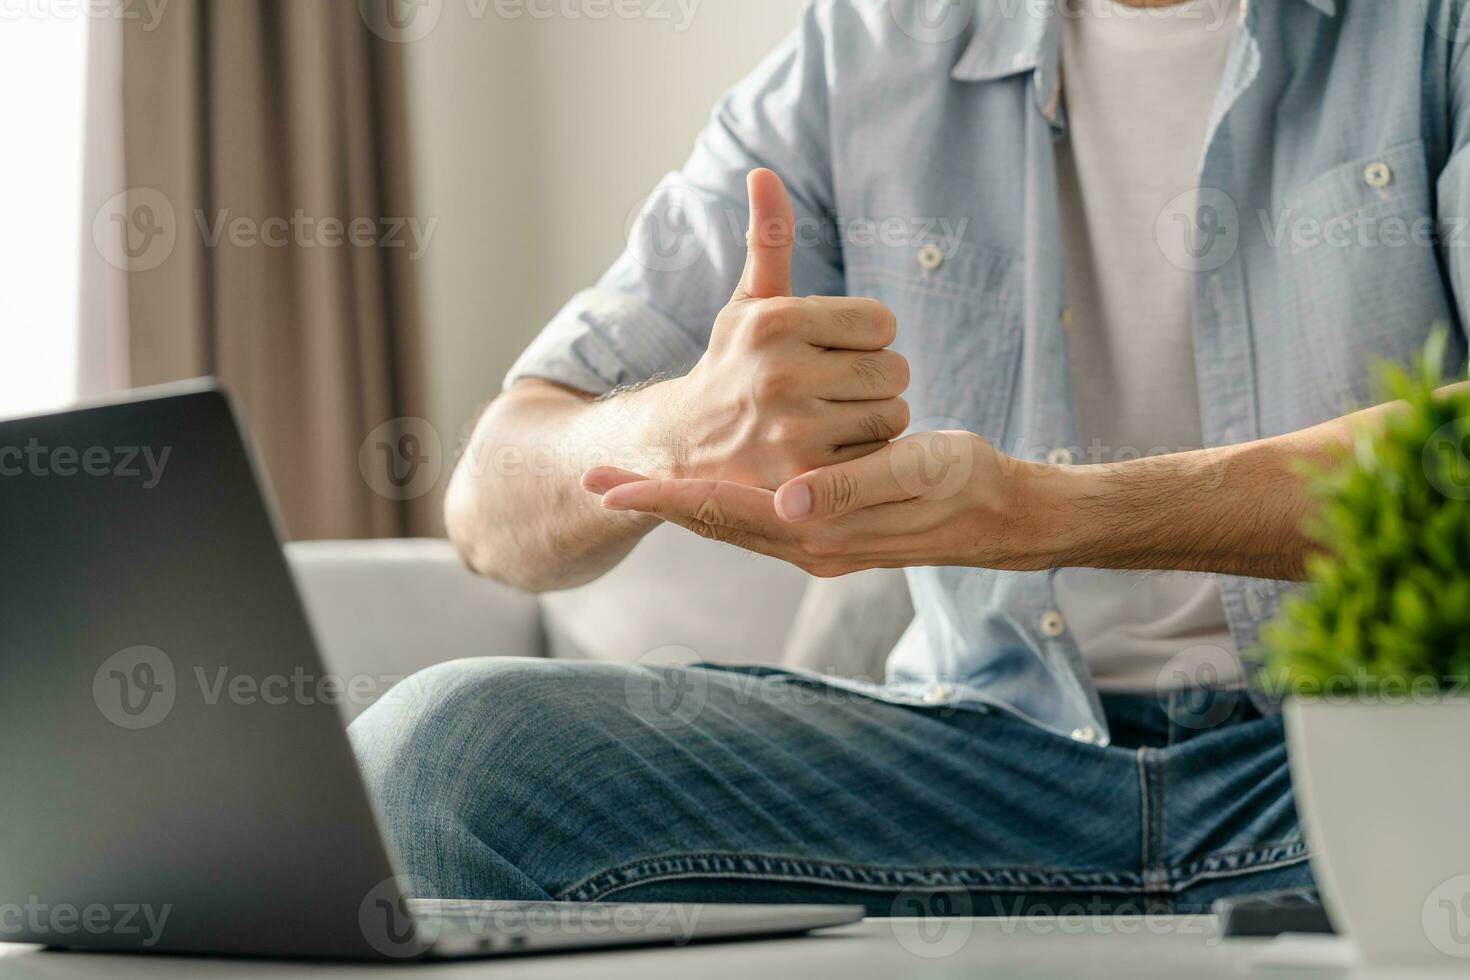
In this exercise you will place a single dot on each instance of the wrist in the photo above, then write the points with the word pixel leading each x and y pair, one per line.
pixel 1060 525
pixel 1048 521
pixel 653 418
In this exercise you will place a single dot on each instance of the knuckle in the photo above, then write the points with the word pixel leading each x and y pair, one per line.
pixel 848 317
pixel 710 512
pixel 774 383
pixel 870 372
pixel 878 427
pixel 839 492
pixel 772 320
pixel 787 432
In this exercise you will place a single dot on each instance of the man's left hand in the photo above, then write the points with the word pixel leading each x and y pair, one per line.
pixel 932 498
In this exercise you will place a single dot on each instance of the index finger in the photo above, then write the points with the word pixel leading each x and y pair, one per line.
pixel 712 502
pixel 848 323
pixel 899 471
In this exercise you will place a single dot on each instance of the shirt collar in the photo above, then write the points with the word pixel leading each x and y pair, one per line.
pixel 1012 36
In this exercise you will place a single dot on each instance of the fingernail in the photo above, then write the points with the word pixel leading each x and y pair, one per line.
pixel 794 501
pixel 613 505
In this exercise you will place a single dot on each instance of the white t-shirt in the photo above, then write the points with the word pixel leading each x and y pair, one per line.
pixel 1139 85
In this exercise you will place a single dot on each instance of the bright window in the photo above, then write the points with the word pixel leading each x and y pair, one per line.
pixel 43 75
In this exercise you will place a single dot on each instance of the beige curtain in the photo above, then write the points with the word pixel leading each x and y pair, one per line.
pixel 272 135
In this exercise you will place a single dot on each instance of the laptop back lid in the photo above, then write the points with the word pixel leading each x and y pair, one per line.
pixel 171 776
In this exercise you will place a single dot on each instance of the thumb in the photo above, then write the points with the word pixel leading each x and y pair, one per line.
pixel 769 240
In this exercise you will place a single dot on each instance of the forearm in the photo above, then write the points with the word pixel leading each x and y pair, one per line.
pixel 515 507
pixel 1236 510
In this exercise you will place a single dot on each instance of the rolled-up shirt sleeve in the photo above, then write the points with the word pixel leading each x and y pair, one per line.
pixel 650 315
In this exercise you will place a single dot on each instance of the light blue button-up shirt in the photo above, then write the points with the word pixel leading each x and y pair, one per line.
pixel 917 137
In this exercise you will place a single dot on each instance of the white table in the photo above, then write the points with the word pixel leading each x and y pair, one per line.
pixel 1135 949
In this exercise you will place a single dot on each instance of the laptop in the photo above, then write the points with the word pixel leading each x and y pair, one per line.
pixel 150 801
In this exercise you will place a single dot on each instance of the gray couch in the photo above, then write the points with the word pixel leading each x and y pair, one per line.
pixel 385 609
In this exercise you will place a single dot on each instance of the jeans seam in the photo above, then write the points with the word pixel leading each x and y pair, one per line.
pixel 1144 815
pixel 1239 861
pixel 1156 874
pixel 765 867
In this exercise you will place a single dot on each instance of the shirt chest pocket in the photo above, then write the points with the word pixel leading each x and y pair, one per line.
pixel 959 310
pixel 1361 279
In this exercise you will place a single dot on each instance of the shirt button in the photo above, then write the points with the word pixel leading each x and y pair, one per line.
pixel 1378 175
pixel 931 257
pixel 1060 456
pixel 938 694
pixel 1052 624
pixel 1086 734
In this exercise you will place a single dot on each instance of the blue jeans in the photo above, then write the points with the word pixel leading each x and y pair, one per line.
pixel 535 780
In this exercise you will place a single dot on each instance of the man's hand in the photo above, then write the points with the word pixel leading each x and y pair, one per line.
pixel 933 498
pixel 786 384
pixel 948 498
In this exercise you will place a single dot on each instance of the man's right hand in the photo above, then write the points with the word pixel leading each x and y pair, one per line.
pixel 787 384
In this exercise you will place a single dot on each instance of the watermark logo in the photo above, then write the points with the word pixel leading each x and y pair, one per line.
pixel 387 923
pixel 1446 917
pixel 1190 686
pixel 936 461
pixel 1199 231
pixel 1447 460
pixel 401 21
pixel 662 691
pixel 135 688
pixel 138 687
pixel 402 458
pixel 932 21
pixel 136 231
pixel 669 230
pixel 932 924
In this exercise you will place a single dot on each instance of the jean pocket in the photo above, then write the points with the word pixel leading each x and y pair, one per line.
pixel 1359 253
pixel 959 309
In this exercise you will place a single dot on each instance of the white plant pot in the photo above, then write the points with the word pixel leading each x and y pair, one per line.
pixel 1383 791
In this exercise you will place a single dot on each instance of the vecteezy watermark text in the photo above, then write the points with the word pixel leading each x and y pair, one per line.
pixel 137 688
pixel 406 21
pixel 123 462
pixel 307 231
pixel 138 230
pixel 36 919
pixel 150 12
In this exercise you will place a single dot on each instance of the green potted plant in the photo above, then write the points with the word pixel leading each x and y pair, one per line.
pixel 1373 660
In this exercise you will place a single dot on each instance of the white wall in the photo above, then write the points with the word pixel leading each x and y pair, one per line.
pixel 535 137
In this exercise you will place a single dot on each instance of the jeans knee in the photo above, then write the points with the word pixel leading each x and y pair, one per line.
pixel 437 754
pixel 465 761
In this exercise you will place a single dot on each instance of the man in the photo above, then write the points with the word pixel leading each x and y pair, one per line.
pixel 1118 266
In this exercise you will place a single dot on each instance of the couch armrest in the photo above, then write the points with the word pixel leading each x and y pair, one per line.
pixel 382 610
